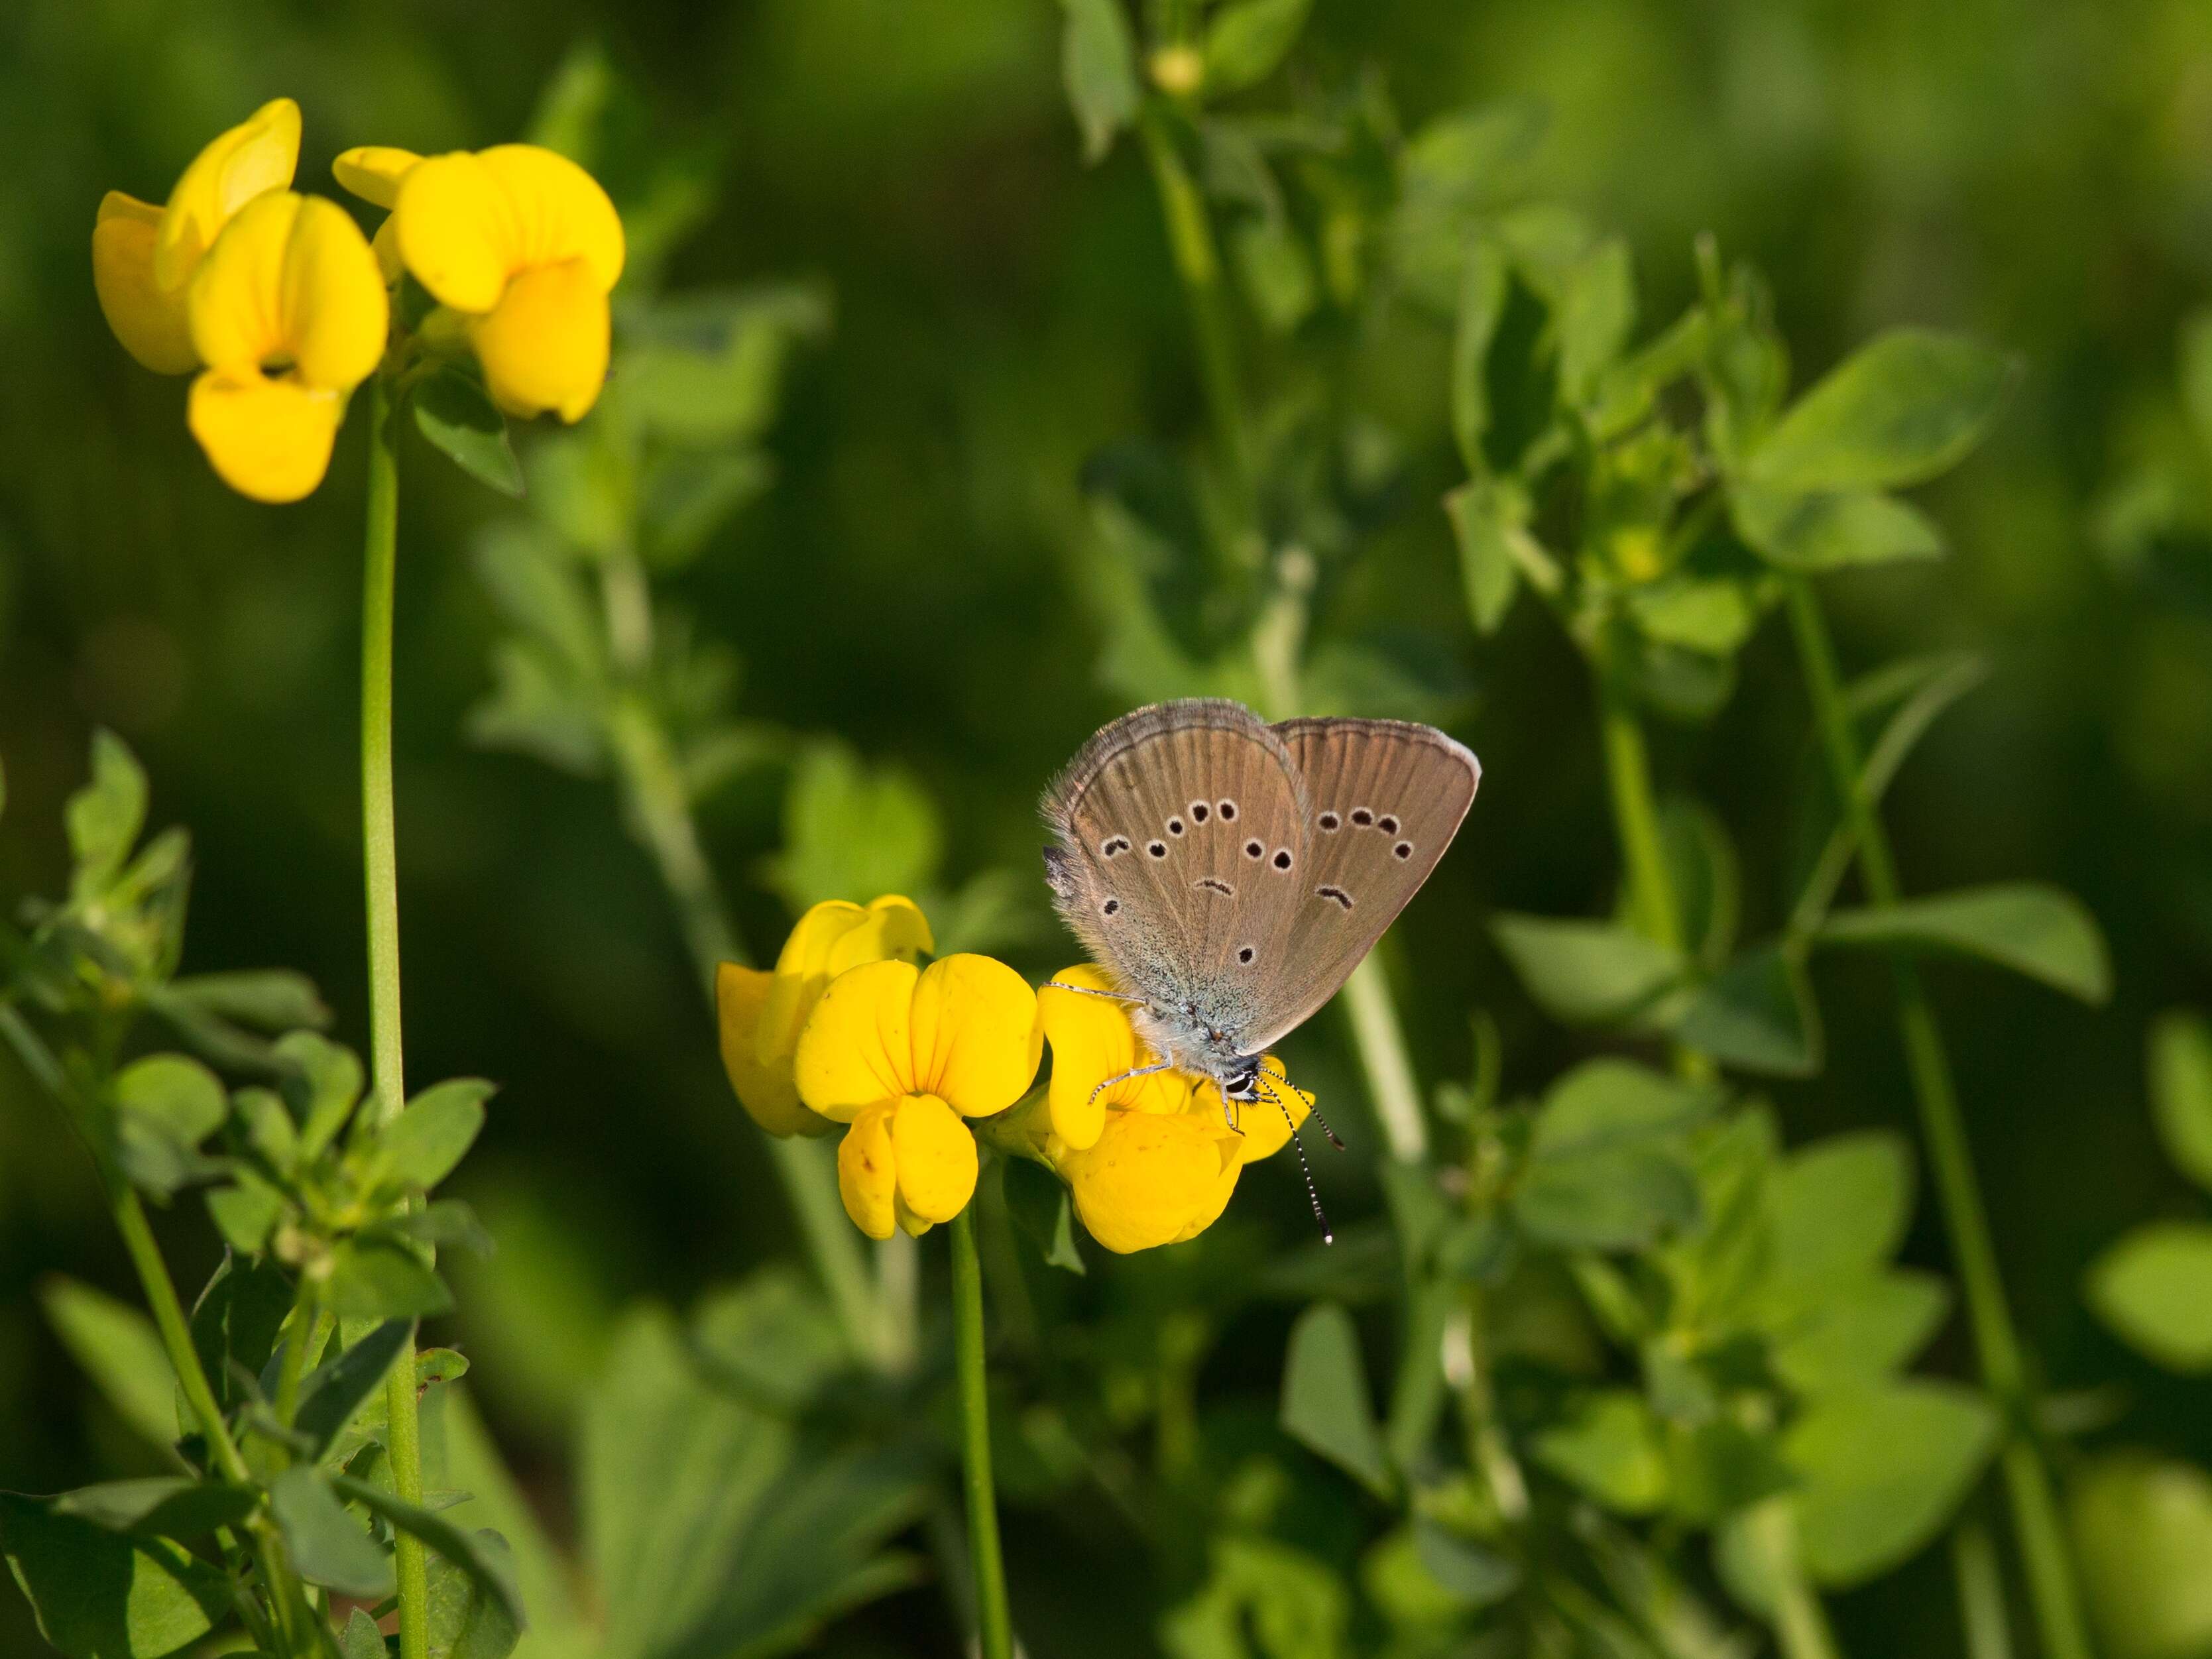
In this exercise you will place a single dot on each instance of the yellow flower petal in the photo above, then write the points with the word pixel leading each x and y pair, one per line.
pixel 831 937
pixel 543 346
pixel 470 223
pixel 260 153
pixel 267 439
pixel 1092 1041
pixel 1150 1179
pixel 975 1038
pixel 1224 1187
pixel 765 1091
pixel 866 1176
pixel 372 172
pixel 291 284
pixel 857 1047
pixel 936 1157
pixel 148 319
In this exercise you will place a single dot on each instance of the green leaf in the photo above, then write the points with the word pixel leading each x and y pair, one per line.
pixel 1603 1103
pixel 1882 1470
pixel 852 831
pixel 245 1213
pixel 267 998
pixel 1098 63
pixel 1277 274
pixel 1717 1466
pixel 688 497
pixel 235 1322
pixel 2181 1092
pixel 1610 1447
pixel 1714 617
pixel 118 1347
pixel 372 1279
pixel 1470 1576
pixel 165 1106
pixel 422 1146
pixel 160 1506
pixel 2154 1289
pixel 771 1338
pixel 473 1463
pixel 1482 293
pixel 328 1546
pixel 1246 39
pixel 709 374
pixel 1490 519
pixel 1900 410
pixel 1040 1210
pixel 1840 1209
pixel 1584 973
pixel 105 816
pixel 1827 530
pixel 488 1566
pixel 1757 1015
pixel 469 1619
pixel 1858 1334
pixel 361 1638
pixel 1618 1198
pixel 537 589
pixel 2042 931
pixel 334 1391
pixel 321 1085
pixel 1472 156
pixel 442 1221
pixel 2142 1532
pixel 103 1594
pixel 1292 1606
pixel 1594 318
pixel 1326 1404
pixel 457 414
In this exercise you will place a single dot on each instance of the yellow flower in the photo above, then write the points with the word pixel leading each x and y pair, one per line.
pixel 523 244
pixel 761 1013
pixel 144 257
pixel 288 313
pixel 902 1055
pixel 1152 1160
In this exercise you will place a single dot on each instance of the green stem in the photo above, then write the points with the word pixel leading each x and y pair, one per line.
pixel 1381 1040
pixel 380 855
pixel 2027 1480
pixel 1198 263
pixel 175 1329
pixel 1982 1619
pixel 659 809
pixel 994 1627
pixel 1800 1623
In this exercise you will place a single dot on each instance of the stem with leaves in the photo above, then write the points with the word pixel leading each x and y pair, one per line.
pixel 2052 1591
pixel 388 1087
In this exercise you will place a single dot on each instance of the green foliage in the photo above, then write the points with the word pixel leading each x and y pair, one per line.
pixel 2155 1288
pixel 1098 61
pixel 1326 1403
pixel 1881 1470
pixel 2033 930
pixel 456 415
pixel 117 1346
pixel 2142 1526
pixel 101 1594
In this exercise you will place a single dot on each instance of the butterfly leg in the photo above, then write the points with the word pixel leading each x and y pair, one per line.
pixel 1141 1070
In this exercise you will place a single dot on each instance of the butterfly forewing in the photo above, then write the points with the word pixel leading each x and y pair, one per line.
pixel 1182 831
pixel 1384 799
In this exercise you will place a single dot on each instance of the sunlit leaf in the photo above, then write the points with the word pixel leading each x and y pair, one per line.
pixel 104 1594
pixel 1757 1015
pixel 2155 1288
pixel 327 1546
pixel 1246 39
pixel 2181 1092
pixel 1609 1445
pixel 1828 529
pixel 1098 63
pixel 2040 931
pixel 1584 973
pixel 1899 411
pixel 105 816
pixel 457 416
pixel 1326 1403
pixel 1883 1469
pixel 2142 1532
pixel 118 1348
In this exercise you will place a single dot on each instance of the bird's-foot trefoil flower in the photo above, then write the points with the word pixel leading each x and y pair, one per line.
pixel 522 244
pixel 902 1055
pixel 274 296
pixel 1152 1160
pixel 761 1012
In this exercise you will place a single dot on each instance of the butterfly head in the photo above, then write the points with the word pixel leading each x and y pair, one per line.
pixel 1240 1082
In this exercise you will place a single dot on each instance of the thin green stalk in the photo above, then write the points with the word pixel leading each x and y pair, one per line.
pixel 1982 1619
pixel 1198 263
pixel 1800 1623
pixel 380 855
pixel 2051 1587
pixel 175 1329
pixel 994 1628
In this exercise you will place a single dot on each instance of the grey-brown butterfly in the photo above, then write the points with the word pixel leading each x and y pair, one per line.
pixel 1228 875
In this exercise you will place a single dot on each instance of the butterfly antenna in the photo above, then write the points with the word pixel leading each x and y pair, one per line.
pixel 1087 990
pixel 1310 1111
pixel 1304 1168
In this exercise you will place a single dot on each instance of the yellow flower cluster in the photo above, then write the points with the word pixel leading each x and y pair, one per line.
pixel 279 301
pixel 848 1030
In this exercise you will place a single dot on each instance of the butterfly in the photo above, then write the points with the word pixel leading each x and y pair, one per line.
pixel 1228 875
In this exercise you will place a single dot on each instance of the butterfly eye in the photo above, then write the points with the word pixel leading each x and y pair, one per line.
pixel 1228 809
pixel 1404 849
pixel 1329 821
pixel 1253 849
pixel 1199 811
pixel 1282 857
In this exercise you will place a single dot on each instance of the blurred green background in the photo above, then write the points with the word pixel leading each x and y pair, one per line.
pixel 2037 175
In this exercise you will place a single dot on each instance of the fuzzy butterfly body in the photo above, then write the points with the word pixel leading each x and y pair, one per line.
pixel 1230 874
